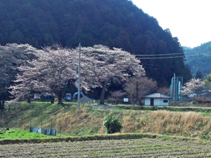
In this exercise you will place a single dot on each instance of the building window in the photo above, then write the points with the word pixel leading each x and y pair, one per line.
pixel 165 101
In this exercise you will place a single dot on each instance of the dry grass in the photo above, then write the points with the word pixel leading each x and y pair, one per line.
pixel 160 122
pixel 128 124
pixel 86 121
pixel 188 123
pixel 24 126
pixel 78 121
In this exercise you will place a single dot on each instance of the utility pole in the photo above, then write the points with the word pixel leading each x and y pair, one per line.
pixel 137 93
pixel 174 90
pixel 79 75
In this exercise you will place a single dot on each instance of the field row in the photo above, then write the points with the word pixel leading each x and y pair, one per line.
pixel 109 148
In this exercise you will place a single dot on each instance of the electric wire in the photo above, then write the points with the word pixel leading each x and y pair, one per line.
pixel 163 56
pixel 159 54
pixel 160 57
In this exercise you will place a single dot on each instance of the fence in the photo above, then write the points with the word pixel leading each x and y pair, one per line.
pixel 43 131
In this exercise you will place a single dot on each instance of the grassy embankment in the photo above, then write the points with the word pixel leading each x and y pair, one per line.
pixel 70 121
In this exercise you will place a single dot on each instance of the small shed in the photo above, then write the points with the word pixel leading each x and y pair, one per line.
pixel 86 99
pixel 157 99
pixel 37 96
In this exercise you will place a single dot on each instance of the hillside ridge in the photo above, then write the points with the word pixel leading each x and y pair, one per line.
pixel 199 59
pixel 114 23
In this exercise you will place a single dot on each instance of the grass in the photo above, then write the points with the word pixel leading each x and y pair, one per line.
pixel 16 133
pixel 169 108
pixel 68 120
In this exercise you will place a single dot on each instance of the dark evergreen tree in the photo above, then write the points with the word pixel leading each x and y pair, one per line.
pixel 198 75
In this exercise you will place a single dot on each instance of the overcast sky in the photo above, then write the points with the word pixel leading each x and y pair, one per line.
pixel 189 20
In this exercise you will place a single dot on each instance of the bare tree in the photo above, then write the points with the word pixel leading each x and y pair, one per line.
pixel 164 90
pixel 130 88
pixel 111 65
pixel 116 95
pixel 194 86
pixel 139 87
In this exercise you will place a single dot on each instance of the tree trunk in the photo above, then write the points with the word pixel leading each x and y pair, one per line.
pixel 1 105
pixel 137 94
pixel 60 95
pixel 131 98
pixel 29 100
pixel 52 99
pixel 103 94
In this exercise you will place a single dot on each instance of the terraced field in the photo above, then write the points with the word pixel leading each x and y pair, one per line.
pixel 109 148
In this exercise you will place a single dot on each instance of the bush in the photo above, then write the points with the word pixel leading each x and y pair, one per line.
pixel 112 124
pixel 202 100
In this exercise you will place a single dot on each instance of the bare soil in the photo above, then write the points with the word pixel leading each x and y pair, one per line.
pixel 109 148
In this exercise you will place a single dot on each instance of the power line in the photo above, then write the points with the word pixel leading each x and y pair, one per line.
pixel 162 57
pixel 193 55
pixel 159 54
pixel 167 55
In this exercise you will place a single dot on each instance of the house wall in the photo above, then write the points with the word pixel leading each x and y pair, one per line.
pixel 147 102
pixel 162 103
pixel 157 102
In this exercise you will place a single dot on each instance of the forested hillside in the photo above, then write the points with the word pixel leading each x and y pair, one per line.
pixel 115 23
pixel 199 59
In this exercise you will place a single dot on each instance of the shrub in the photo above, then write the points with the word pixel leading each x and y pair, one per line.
pixel 112 124
pixel 202 100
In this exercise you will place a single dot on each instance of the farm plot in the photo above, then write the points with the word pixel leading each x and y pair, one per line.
pixel 109 148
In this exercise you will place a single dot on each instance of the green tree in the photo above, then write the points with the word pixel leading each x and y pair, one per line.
pixel 112 124
pixel 17 36
pixel 208 79
pixel 198 75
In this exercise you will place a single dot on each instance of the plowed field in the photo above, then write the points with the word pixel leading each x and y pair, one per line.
pixel 109 148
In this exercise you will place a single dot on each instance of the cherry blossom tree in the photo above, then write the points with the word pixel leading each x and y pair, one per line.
pixel 194 86
pixel 49 73
pixel 110 65
pixel 12 56
pixel 55 66
pixel 139 87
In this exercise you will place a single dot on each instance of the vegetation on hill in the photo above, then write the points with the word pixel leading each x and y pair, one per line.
pixel 70 121
pixel 115 23
pixel 199 59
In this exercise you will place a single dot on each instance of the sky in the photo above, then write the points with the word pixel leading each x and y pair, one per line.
pixel 189 20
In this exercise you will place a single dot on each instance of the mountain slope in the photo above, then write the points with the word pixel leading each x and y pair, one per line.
pixel 199 58
pixel 115 23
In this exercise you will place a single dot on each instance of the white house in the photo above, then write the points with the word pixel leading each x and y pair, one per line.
pixel 157 99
